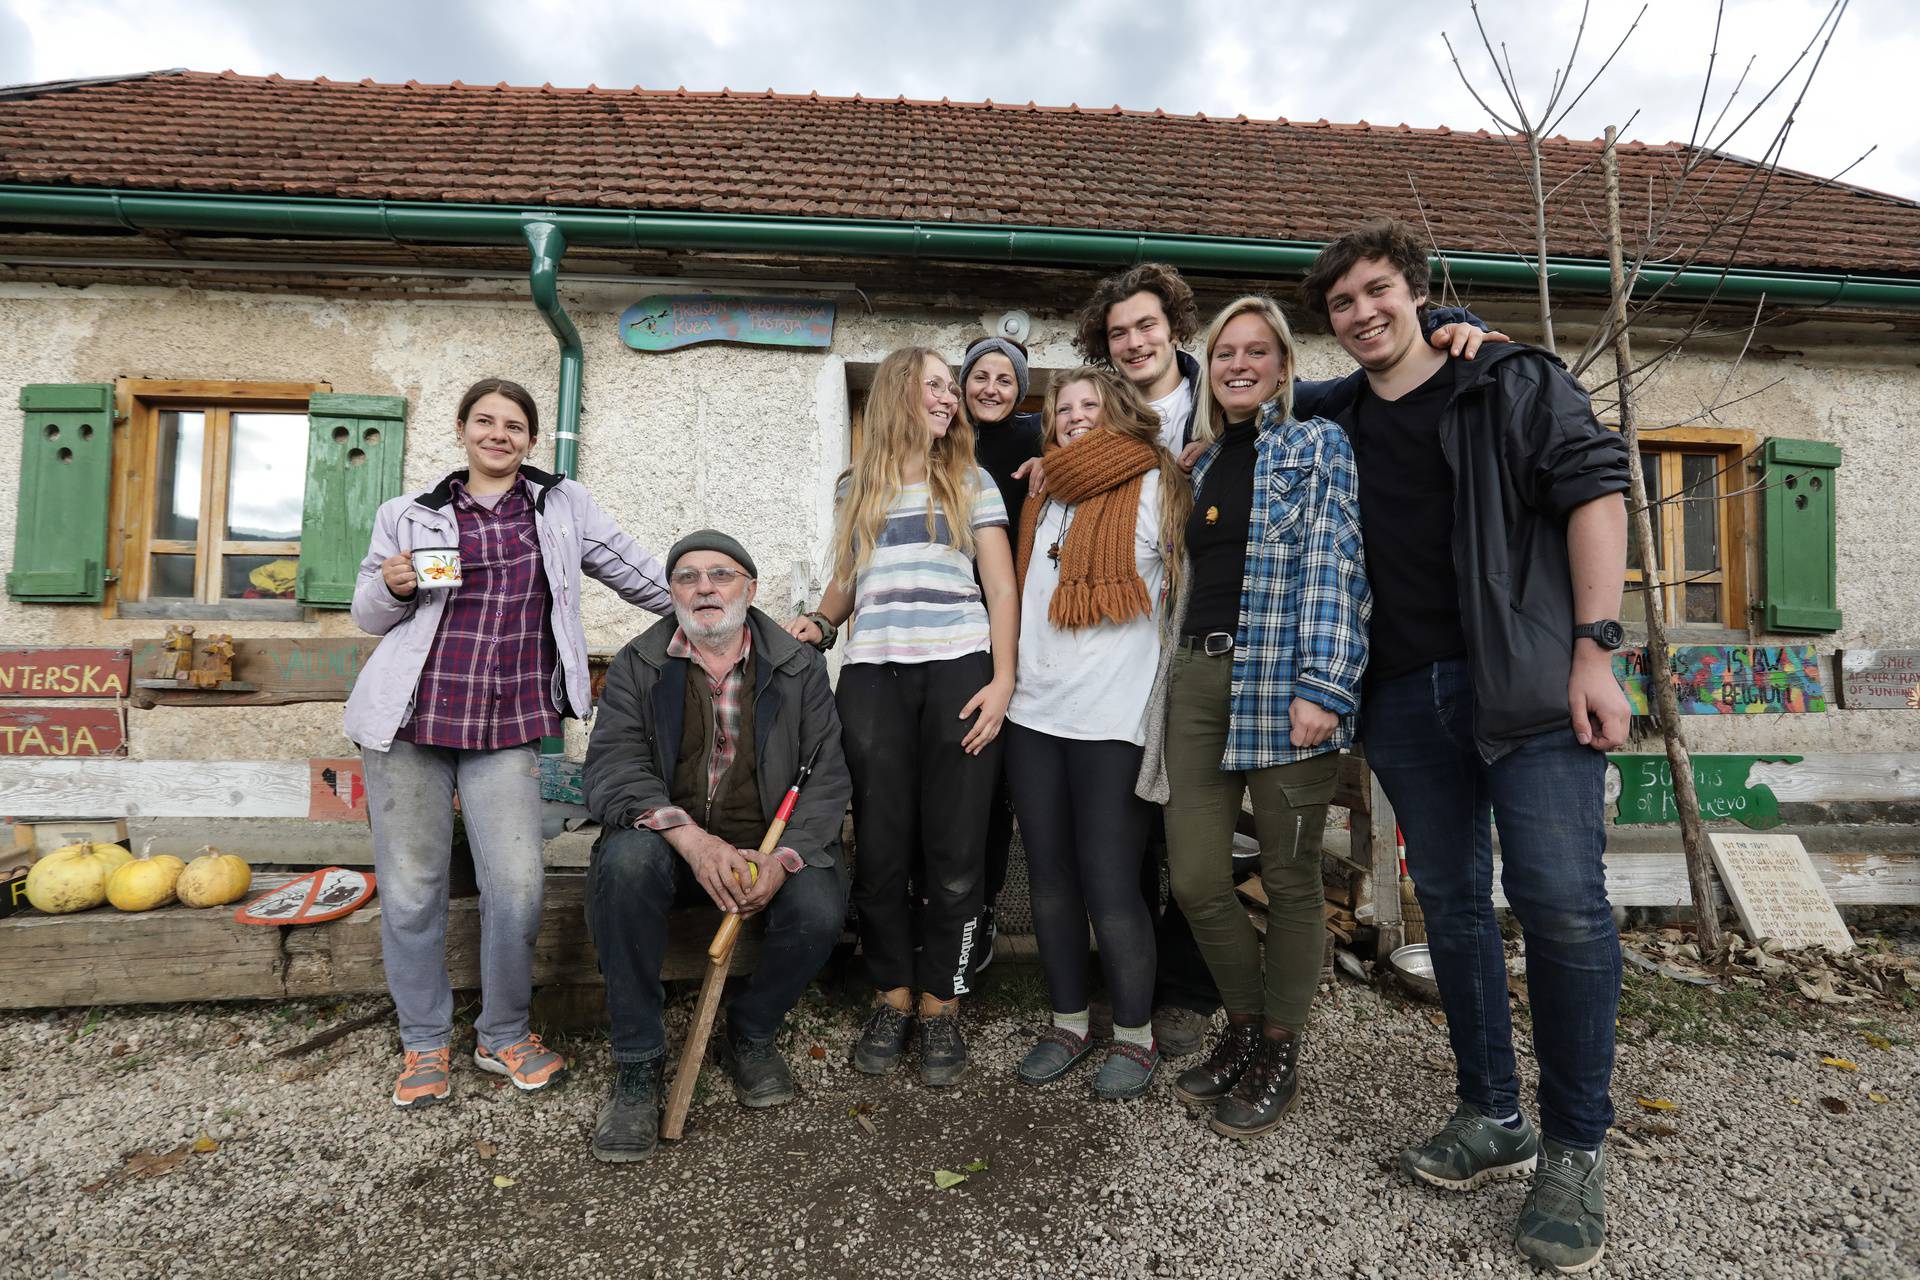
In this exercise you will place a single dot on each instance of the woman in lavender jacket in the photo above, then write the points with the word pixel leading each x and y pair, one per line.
pixel 464 683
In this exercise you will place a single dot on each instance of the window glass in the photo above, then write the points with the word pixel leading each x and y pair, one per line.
pixel 172 578
pixel 1700 482
pixel 176 484
pixel 258 577
pixel 1650 471
pixel 267 474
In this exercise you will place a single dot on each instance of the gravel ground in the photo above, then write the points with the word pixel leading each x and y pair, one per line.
pixel 1777 1165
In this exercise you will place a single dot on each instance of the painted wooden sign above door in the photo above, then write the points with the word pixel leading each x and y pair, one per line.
pixel 667 322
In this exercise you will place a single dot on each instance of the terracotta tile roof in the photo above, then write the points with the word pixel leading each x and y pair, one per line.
pixel 809 155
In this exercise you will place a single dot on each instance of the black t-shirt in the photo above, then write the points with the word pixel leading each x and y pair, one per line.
pixel 1217 534
pixel 1001 447
pixel 1406 519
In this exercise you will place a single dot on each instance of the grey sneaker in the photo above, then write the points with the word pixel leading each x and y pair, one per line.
pixel 1564 1221
pixel 1471 1149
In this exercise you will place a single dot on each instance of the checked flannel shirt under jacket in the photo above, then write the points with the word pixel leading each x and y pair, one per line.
pixel 1305 602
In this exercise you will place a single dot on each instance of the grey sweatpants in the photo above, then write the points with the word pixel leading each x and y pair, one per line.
pixel 410 802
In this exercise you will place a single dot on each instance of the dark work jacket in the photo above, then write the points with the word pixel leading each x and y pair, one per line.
pixel 642 714
pixel 1524 450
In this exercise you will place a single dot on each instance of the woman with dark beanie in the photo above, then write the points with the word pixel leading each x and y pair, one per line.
pixel 1257 689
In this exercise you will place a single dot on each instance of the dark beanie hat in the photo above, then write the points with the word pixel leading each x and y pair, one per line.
pixel 711 540
pixel 993 345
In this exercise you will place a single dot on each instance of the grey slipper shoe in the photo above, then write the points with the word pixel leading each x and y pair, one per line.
pixel 1127 1072
pixel 1056 1053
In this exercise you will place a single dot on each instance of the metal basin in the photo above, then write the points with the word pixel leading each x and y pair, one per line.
pixel 1414 967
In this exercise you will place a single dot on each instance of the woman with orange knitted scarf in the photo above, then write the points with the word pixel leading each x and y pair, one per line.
pixel 1094 562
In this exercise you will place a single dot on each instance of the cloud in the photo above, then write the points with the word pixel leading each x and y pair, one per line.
pixel 16 49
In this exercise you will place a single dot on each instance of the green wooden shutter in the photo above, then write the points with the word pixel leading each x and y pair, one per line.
pixel 66 476
pixel 1801 538
pixel 353 465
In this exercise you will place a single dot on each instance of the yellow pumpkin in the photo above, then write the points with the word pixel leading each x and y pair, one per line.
pixel 74 877
pixel 214 879
pixel 144 883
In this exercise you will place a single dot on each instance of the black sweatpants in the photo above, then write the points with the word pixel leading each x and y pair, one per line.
pixel 920 814
pixel 1085 833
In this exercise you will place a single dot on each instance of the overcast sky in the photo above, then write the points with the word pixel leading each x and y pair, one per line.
pixel 1344 60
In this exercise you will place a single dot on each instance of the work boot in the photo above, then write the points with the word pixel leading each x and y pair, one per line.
pixel 943 1053
pixel 628 1127
pixel 1177 1031
pixel 1564 1221
pixel 1215 1077
pixel 1268 1090
pixel 1472 1149
pixel 760 1075
pixel 883 1039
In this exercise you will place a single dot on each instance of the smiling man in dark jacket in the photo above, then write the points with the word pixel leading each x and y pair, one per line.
pixel 705 722
pixel 1495 532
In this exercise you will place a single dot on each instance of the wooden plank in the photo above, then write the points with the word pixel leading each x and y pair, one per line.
pixel 295 394
pixel 62 731
pixel 155 788
pixel 176 953
pixel 1866 776
pixel 286 670
pixel 47 672
pixel 1880 679
pixel 1729 679
pixel 337 790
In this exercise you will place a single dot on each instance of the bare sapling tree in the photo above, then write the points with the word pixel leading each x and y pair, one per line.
pixel 1693 223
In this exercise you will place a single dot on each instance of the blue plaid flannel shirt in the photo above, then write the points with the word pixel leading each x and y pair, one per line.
pixel 1305 604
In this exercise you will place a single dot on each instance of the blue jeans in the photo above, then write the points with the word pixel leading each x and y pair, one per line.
pixel 1547 795
pixel 636 878
pixel 410 802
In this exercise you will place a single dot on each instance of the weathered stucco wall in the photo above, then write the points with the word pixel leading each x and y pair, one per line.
pixel 749 440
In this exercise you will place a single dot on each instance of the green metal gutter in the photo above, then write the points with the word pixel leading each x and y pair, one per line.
pixel 548 246
pixel 497 224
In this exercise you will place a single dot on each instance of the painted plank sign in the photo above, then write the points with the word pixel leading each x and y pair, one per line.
pixel 281 671
pixel 1727 680
pixel 1880 679
pixel 667 322
pixel 62 731
pixel 41 672
pixel 1721 783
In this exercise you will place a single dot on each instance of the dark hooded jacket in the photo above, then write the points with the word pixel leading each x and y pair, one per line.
pixel 1524 449
pixel 637 731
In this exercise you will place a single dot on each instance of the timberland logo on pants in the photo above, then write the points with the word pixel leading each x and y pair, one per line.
pixel 960 987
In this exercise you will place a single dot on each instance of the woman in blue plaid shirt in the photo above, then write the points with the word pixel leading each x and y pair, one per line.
pixel 1257 688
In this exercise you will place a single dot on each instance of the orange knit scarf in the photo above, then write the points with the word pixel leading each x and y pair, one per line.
pixel 1099 475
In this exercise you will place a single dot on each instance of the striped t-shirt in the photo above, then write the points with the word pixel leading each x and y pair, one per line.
pixel 917 600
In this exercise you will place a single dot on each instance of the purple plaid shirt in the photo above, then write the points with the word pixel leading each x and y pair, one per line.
pixel 488 682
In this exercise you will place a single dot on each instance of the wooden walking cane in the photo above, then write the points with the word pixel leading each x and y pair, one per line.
pixel 719 955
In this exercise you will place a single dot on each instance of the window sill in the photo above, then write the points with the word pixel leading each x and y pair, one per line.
pixel 225 611
pixel 1695 635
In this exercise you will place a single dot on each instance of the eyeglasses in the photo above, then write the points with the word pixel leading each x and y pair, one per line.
pixel 721 577
pixel 942 387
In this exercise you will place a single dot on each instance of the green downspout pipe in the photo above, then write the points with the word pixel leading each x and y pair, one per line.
pixel 549 244
pixel 495 224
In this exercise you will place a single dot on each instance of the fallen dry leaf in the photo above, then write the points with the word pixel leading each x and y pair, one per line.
pixel 485 1150
pixel 502 1181
pixel 945 1179
pixel 1875 1040
pixel 1879 1097
pixel 817 1052
pixel 1657 1104
pixel 1795 1101
pixel 143 1164
pixel 1836 1106
pixel 1841 1063
pixel 976 1166
pixel 204 1145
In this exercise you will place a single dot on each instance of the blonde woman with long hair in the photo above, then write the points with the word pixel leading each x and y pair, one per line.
pixel 1095 559
pixel 923 566
pixel 1258 686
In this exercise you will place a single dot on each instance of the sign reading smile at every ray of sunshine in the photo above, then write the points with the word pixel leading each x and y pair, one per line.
pixel 1729 680
pixel 667 322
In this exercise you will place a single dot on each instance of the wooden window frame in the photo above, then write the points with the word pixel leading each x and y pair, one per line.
pixel 1737 451
pixel 138 403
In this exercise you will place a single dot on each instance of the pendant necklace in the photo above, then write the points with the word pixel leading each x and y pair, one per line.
pixel 1066 523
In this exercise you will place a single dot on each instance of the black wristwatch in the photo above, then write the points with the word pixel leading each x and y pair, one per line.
pixel 1606 633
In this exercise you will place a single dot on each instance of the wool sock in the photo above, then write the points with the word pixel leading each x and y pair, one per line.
pixel 1510 1122
pixel 1074 1022
pixel 1142 1036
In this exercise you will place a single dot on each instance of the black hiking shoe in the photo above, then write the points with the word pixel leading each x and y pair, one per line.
pixel 1215 1077
pixel 1269 1089
pixel 882 1040
pixel 628 1127
pixel 760 1075
pixel 943 1053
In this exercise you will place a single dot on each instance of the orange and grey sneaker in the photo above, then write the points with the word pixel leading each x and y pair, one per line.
pixel 426 1079
pixel 528 1063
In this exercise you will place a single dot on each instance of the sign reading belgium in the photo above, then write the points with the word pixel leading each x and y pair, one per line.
pixel 666 322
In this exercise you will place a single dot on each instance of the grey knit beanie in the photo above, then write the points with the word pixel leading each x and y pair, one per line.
pixel 711 540
pixel 996 346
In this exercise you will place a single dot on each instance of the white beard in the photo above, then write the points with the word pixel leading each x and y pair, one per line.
pixel 715 634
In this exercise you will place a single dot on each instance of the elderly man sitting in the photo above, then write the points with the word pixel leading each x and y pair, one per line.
pixel 706 720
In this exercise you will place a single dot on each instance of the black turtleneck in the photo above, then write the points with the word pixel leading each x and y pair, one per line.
pixel 1217 534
